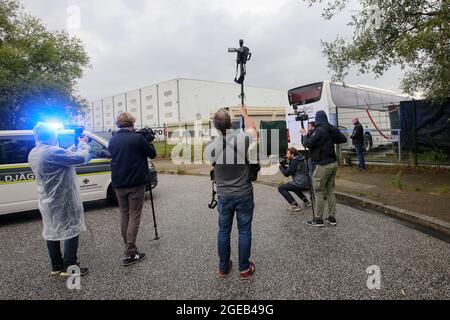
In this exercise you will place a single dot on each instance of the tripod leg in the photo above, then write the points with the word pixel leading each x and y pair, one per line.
pixel 153 211
pixel 311 192
pixel 313 200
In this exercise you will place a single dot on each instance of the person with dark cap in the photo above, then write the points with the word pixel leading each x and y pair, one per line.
pixel 321 143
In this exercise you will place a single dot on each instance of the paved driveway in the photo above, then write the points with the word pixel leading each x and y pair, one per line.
pixel 293 260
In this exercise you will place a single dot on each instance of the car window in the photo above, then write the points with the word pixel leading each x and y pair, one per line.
pixel 15 149
pixel 98 151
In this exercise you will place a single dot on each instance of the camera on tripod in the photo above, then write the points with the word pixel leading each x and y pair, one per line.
pixel 148 134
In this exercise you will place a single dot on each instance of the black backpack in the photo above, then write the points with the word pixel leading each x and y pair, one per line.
pixel 336 136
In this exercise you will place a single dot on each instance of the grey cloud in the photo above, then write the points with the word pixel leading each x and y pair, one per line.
pixel 134 43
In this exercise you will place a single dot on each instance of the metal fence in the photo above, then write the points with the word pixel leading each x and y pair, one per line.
pixel 385 142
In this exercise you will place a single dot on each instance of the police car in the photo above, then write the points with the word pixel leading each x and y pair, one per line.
pixel 18 191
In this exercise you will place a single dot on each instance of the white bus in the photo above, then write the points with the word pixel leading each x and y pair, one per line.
pixel 341 103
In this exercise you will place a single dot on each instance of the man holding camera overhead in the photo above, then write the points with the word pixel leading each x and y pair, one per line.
pixel 228 153
pixel 129 166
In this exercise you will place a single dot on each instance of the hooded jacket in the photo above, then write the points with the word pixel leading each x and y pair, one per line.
pixel 299 172
pixel 321 142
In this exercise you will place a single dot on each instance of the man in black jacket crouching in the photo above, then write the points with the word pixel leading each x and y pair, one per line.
pixel 300 181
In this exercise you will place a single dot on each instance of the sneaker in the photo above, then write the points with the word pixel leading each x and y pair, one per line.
pixel 245 275
pixel 223 274
pixel 83 272
pixel 137 257
pixel 56 271
pixel 331 221
pixel 294 208
pixel 316 223
pixel 308 204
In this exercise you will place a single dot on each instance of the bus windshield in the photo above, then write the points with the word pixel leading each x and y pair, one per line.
pixel 306 94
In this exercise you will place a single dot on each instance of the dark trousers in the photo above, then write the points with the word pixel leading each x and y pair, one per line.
pixel 243 206
pixel 70 253
pixel 360 154
pixel 131 202
pixel 291 187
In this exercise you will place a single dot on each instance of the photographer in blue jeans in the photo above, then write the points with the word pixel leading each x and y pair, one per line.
pixel 228 153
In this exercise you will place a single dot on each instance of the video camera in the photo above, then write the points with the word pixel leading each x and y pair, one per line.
pixel 284 161
pixel 148 134
pixel 243 53
pixel 300 115
pixel 295 100
pixel 78 134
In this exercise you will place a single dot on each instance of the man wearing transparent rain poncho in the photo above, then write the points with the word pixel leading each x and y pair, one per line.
pixel 59 195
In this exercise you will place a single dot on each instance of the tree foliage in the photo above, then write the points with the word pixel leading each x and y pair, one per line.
pixel 39 69
pixel 414 34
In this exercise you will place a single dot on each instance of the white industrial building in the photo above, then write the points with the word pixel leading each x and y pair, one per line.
pixel 176 101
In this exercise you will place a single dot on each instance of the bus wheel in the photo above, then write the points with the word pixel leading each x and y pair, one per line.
pixel 368 143
pixel 112 197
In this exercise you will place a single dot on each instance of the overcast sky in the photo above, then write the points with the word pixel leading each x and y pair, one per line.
pixel 134 43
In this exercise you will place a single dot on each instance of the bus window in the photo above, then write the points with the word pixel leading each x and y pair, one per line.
pixel 306 94
pixel 343 96
pixel 15 149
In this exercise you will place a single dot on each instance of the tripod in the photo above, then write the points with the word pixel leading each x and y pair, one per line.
pixel 153 211
pixel 311 188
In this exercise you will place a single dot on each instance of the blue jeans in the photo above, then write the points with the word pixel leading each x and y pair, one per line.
pixel 70 253
pixel 291 187
pixel 360 154
pixel 243 206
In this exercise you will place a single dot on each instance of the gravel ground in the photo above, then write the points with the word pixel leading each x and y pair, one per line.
pixel 293 260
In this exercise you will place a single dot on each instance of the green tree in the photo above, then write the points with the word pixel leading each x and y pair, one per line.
pixel 39 70
pixel 414 34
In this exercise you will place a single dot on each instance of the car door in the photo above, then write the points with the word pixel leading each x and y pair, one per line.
pixel 18 191
pixel 93 177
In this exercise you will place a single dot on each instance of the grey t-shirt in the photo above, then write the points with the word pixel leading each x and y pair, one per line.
pixel 231 171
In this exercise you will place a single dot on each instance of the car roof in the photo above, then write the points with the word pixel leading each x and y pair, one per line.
pixel 65 131
pixel 30 132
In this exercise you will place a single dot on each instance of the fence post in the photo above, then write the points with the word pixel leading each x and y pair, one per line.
pixel 415 134
pixel 399 146
pixel 166 133
pixel 338 147
pixel 209 133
